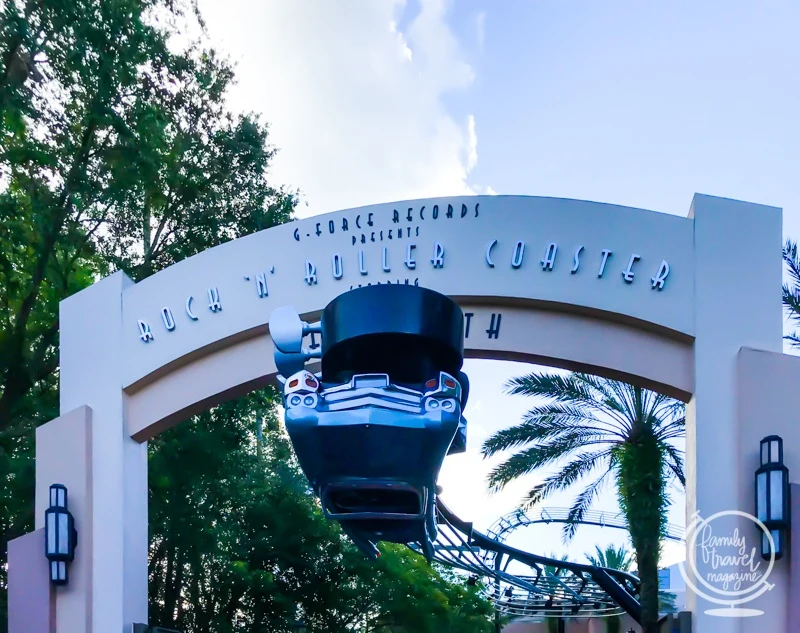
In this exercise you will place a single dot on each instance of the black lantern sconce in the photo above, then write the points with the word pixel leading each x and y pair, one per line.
pixel 300 626
pixel 772 496
pixel 60 535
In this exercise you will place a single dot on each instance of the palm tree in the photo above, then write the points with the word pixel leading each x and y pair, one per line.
pixel 554 623
pixel 791 292
pixel 620 558
pixel 612 558
pixel 597 424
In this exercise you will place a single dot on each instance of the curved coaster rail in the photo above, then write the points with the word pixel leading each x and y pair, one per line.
pixel 508 523
pixel 553 587
pixel 519 518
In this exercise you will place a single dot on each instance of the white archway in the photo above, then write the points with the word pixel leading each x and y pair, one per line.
pixel 661 300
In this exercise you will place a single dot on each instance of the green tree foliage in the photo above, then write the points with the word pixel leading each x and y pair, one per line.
pixel 555 572
pixel 114 153
pixel 611 557
pixel 117 152
pixel 791 290
pixel 239 544
pixel 621 558
pixel 599 426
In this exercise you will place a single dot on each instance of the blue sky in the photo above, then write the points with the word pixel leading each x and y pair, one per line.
pixel 637 103
pixel 641 104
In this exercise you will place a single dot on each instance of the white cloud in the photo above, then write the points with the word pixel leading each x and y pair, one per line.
pixel 472 145
pixel 355 105
pixel 480 28
pixel 407 53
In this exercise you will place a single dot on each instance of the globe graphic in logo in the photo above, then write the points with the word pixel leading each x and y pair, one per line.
pixel 724 565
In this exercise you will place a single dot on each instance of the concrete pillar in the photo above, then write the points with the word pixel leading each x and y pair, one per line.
pixel 737 304
pixel 64 456
pixel 31 604
pixel 793 615
pixel 767 406
pixel 91 374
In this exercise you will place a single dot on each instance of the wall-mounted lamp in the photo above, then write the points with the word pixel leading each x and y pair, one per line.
pixel 772 495
pixel 60 535
pixel 300 626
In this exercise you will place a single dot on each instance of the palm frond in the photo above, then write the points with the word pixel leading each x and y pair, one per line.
pixel 611 557
pixel 531 431
pixel 584 501
pixel 569 415
pixel 674 461
pixel 668 409
pixel 571 388
pixel 546 424
pixel 674 429
pixel 528 460
pixel 791 293
pixel 792 260
pixel 794 338
pixel 515 436
pixel 791 300
pixel 580 466
pixel 611 396
pixel 598 559
pixel 599 387
pixel 561 412
pixel 612 399
pixel 626 400
pixel 564 413
pixel 664 415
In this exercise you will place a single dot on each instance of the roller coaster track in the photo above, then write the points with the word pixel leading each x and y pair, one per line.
pixel 549 587
pixel 519 518
pixel 507 523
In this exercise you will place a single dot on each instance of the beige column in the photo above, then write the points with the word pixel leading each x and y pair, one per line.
pixel 737 304
pixel 31 596
pixel 92 363
pixel 64 456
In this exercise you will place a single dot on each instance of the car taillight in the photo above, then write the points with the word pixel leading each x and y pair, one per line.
pixel 431 383
pixel 449 383
pixel 293 383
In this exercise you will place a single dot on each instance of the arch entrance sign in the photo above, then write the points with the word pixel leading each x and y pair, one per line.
pixel 689 306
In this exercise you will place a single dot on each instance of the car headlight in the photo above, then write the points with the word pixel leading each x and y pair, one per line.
pixel 310 401
pixel 295 400
pixel 447 404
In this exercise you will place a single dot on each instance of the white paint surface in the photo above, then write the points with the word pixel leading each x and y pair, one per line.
pixel 508 219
